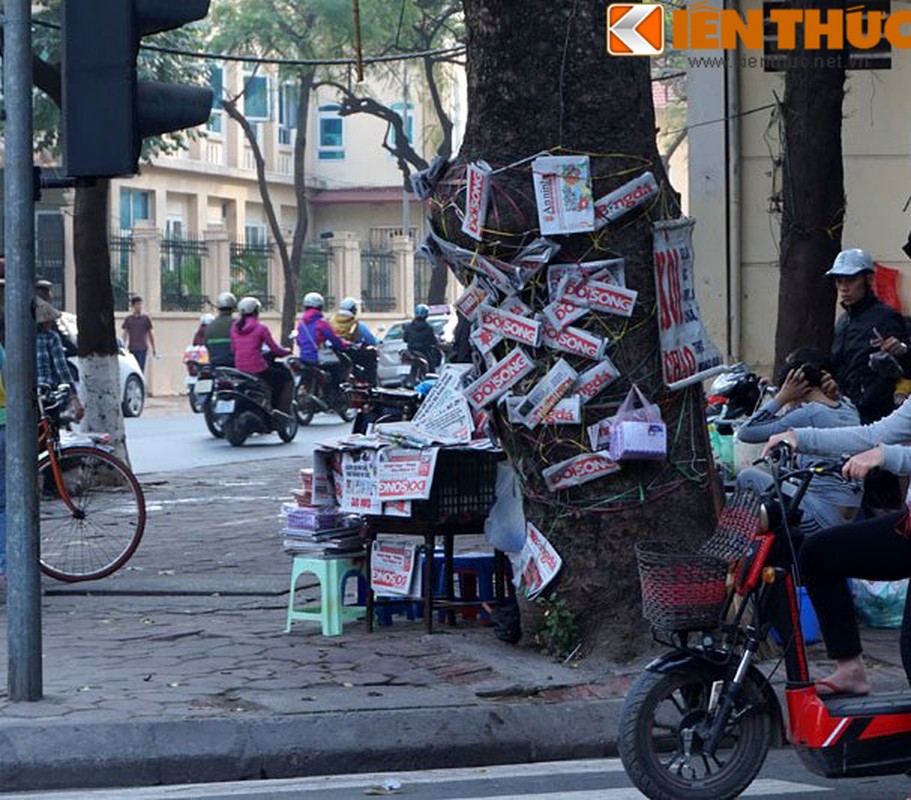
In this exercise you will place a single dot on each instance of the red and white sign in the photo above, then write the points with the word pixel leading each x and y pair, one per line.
pixel 538 560
pixel 393 566
pixel 520 329
pixel 405 474
pixel 629 196
pixel 594 380
pixel 579 469
pixel 546 393
pixel 567 412
pixel 575 341
pixel 688 355
pixel 397 508
pixel 598 296
pixel 484 340
pixel 560 314
pixel 359 493
pixel 484 267
pixel 470 300
pixel 514 305
pixel 477 192
pixel 611 270
pixel 500 378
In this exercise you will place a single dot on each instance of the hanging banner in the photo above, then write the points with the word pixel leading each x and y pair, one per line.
pixel 594 380
pixel 627 197
pixel 688 355
pixel 610 270
pixel 477 191
pixel 539 562
pixel 579 469
pixel 499 379
pixel 520 329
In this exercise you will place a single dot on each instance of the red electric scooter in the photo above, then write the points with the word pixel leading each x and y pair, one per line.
pixel 699 721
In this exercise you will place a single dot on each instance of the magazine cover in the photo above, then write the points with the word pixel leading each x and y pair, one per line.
pixel 563 191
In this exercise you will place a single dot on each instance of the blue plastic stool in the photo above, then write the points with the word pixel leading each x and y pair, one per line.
pixel 330 612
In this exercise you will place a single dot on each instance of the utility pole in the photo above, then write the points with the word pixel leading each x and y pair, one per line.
pixel 406 195
pixel 24 680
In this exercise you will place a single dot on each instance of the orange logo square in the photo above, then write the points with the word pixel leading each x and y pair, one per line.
pixel 635 29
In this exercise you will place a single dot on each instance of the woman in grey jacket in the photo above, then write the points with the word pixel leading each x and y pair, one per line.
pixel 876 549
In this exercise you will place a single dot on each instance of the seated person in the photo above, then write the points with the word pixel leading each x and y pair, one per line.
pixel 828 501
pixel 874 549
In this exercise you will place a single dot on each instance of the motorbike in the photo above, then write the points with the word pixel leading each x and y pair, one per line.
pixel 242 406
pixel 377 404
pixel 699 721
pixel 733 395
pixel 420 368
pixel 317 389
pixel 200 385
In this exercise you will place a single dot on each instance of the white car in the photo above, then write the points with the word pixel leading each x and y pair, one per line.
pixel 390 369
pixel 132 381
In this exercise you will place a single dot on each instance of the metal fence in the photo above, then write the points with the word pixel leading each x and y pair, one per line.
pixel 314 273
pixel 423 271
pixel 376 281
pixel 122 253
pixel 181 274
pixel 250 271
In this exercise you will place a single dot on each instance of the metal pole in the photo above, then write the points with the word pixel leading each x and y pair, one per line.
pixel 23 587
pixel 406 195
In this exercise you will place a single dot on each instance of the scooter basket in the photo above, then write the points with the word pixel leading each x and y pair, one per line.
pixel 680 591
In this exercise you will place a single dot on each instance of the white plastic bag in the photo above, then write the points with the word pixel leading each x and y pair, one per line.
pixel 504 527
pixel 637 433
pixel 879 604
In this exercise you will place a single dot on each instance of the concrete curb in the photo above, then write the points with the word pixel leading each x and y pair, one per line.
pixel 39 756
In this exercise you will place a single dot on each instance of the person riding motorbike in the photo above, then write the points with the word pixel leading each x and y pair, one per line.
pixel 218 332
pixel 873 549
pixel 199 338
pixel 248 335
pixel 828 501
pixel 420 337
pixel 346 324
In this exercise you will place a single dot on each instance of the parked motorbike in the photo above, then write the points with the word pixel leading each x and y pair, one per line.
pixel 376 404
pixel 733 395
pixel 318 389
pixel 242 406
pixel 699 721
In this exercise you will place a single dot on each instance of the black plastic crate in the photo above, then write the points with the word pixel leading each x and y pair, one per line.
pixel 464 482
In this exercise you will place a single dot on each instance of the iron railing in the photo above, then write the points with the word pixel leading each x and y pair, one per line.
pixel 122 252
pixel 377 291
pixel 250 266
pixel 181 274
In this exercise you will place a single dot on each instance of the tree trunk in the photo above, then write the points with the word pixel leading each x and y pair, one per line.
pixel 292 278
pixel 538 78
pixel 99 370
pixel 813 202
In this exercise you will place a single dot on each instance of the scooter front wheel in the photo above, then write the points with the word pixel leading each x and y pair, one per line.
pixel 662 724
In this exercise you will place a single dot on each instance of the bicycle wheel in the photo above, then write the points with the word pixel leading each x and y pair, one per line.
pixel 102 529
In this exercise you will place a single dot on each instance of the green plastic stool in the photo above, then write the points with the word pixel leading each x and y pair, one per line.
pixel 330 611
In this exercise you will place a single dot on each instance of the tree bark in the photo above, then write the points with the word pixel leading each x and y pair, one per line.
pixel 813 202
pixel 100 372
pixel 538 78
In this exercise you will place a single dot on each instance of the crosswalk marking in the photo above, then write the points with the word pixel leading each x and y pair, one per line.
pixel 296 787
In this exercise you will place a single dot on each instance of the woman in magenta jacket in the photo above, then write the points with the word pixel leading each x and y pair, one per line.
pixel 248 336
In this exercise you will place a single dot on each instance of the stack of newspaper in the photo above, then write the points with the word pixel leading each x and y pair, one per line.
pixel 320 532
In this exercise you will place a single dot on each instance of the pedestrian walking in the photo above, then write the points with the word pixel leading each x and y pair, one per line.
pixel 138 328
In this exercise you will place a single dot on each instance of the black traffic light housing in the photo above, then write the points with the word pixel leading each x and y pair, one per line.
pixel 107 112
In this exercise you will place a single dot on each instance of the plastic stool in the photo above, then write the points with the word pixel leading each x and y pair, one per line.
pixel 331 611
pixel 476 579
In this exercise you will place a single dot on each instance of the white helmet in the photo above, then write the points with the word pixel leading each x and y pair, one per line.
pixel 249 306
pixel 348 304
pixel 313 300
pixel 226 300
pixel 851 262
pixel 206 319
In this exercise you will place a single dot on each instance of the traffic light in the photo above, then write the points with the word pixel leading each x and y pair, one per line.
pixel 107 112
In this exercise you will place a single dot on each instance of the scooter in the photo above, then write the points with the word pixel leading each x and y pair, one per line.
pixel 378 404
pixel 420 368
pixel 699 721
pixel 200 386
pixel 242 406
pixel 316 389
pixel 733 395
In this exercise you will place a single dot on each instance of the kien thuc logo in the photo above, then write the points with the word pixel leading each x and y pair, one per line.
pixel 635 29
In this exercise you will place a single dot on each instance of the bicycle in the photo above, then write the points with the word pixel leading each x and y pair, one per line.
pixel 92 509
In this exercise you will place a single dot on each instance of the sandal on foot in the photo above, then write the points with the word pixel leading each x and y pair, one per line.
pixel 831 690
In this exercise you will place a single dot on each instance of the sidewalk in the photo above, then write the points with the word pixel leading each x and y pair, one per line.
pixel 179 669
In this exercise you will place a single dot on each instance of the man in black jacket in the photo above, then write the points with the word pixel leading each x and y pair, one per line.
pixel 218 332
pixel 419 336
pixel 867 328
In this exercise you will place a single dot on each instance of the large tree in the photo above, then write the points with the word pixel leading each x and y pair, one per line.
pixel 813 196
pixel 539 79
